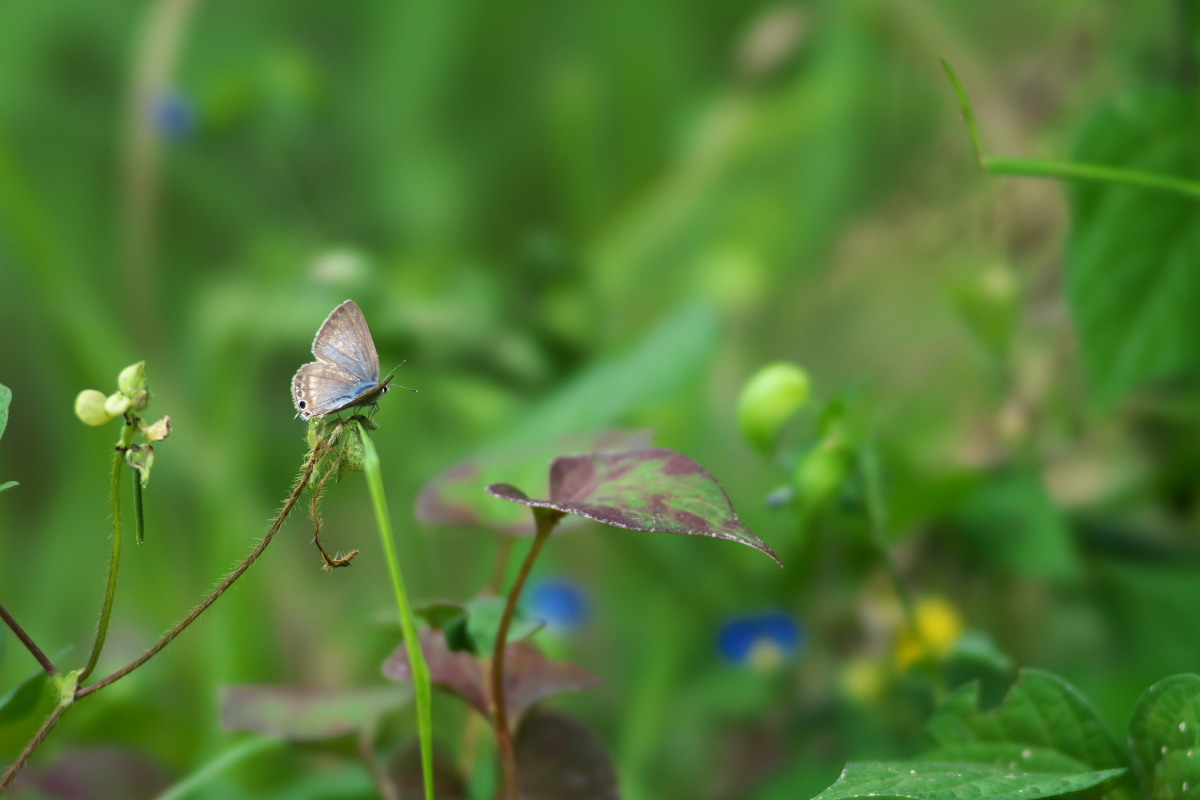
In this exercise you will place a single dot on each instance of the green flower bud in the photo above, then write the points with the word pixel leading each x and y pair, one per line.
pixel 769 400
pixel 157 431
pixel 117 404
pixel 821 474
pixel 132 380
pixel 989 301
pixel 90 408
pixel 353 456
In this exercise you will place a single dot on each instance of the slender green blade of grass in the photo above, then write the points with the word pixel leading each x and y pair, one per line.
pixel 239 752
pixel 420 670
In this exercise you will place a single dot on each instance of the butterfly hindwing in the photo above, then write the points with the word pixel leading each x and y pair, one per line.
pixel 320 388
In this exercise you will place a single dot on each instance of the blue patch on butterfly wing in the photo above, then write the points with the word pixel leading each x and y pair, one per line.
pixel 354 396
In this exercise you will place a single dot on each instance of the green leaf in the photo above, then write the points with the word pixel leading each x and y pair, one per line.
pixel 5 401
pixel 1132 283
pixel 476 629
pixel 933 780
pixel 1043 725
pixel 672 353
pixel 1165 737
pixel 977 647
pixel 22 699
pixel 646 490
pixel 441 613
pixel 8 485
pixel 1012 520
pixel 300 714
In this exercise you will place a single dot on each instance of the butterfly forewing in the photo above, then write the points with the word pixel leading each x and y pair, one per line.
pixel 345 341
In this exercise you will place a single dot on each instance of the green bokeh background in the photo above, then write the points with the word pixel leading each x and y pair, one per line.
pixel 563 217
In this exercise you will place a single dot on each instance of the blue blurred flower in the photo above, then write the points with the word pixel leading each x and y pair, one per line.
pixel 760 641
pixel 557 602
pixel 172 115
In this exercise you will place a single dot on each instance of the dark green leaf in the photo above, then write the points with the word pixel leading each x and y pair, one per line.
pixel 301 714
pixel 560 758
pixel 476 626
pixel 1165 738
pixel 1043 725
pixel 440 614
pixel 1013 521
pixel 646 490
pixel 1132 282
pixel 934 780
pixel 977 647
pixel 23 698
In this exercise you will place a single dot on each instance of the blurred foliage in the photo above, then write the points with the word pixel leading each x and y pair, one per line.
pixel 570 217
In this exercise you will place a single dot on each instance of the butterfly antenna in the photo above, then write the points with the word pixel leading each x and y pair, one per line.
pixel 387 380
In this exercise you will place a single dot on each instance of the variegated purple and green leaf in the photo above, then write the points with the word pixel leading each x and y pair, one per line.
pixel 453 497
pixel 529 676
pixel 303 714
pixel 653 489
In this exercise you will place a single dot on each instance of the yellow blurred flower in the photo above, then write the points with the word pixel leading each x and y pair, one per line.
pixel 863 679
pixel 940 625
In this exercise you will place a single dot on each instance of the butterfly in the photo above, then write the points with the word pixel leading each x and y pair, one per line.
pixel 346 372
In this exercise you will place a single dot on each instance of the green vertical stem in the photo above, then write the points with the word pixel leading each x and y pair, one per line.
pixel 546 519
pixel 877 514
pixel 139 521
pixel 416 659
pixel 114 564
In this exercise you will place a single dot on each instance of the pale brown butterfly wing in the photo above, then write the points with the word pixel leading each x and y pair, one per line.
pixel 345 340
pixel 346 373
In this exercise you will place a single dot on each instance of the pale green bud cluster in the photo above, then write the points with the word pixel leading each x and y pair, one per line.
pixel 93 407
